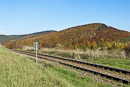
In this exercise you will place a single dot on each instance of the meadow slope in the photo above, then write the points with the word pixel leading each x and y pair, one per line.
pixel 20 71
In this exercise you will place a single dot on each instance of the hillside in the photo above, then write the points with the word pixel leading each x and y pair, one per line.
pixel 21 71
pixel 85 36
pixel 4 38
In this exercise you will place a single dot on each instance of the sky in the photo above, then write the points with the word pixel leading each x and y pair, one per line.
pixel 29 16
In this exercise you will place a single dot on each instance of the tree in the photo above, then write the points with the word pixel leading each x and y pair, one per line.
pixel 94 45
pixel 99 44
pixel 88 44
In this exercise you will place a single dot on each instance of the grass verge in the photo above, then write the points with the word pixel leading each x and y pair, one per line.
pixel 113 62
pixel 20 71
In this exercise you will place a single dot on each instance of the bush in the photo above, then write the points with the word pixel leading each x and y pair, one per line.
pixel 116 54
pixel 65 54
pixel 127 50
pixel 121 54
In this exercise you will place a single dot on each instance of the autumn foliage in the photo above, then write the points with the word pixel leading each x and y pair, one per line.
pixel 90 36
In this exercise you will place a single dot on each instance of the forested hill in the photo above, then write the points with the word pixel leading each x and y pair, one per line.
pixel 84 36
pixel 4 38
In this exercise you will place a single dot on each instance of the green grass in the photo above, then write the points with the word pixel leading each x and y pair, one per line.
pixel 20 71
pixel 113 62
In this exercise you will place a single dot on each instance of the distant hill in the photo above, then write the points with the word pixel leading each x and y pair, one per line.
pixel 26 36
pixel 4 38
pixel 84 36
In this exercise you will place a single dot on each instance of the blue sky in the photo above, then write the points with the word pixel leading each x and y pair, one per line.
pixel 29 16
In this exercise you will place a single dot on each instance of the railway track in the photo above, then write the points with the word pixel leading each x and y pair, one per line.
pixel 105 71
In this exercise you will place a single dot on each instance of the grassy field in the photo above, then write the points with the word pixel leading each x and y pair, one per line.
pixel 114 58
pixel 20 71
pixel 113 62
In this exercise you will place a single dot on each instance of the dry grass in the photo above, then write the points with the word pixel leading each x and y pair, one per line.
pixel 80 54
pixel 27 48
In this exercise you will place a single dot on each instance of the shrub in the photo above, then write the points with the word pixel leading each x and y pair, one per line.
pixel 127 50
pixel 65 54
pixel 122 54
